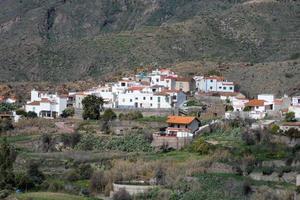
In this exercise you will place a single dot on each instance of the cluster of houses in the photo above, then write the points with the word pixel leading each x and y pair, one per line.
pixel 164 89
pixel 159 89
pixel 262 106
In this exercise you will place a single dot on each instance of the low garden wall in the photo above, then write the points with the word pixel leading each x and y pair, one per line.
pixel 131 188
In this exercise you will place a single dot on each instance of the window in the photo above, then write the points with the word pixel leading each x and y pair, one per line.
pixel 123 84
pixel 224 88
pixel 130 100
pixel 211 81
pixel 158 99
pixel 136 98
pixel 150 104
pixel 230 88
pixel 257 107
pixel 157 80
pixel 144 98
pixel 123 100
pixel 211 87
pixel 220 87
pixel 151 98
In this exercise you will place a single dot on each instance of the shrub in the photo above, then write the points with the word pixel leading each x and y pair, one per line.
pixel 248 138
pixel 200 146
pixel 292 133
pixel 122 194
pixel 160 176
pixel 98 181
pixel 267 170
pixel 5 125
pixel 109 115
pixel 290 117
pixel 85 171
pixel 68 112
pixel 228 108
pixel 247 109
pixel 71 139
pixel 31 115
pixel 246 188
pixel 21 112
pixel 72 175
pixel 34 173
pixel 274 129
pixel 24 182
pixel 298 190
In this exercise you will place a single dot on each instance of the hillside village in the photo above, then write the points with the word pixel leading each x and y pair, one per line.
pixel 179 112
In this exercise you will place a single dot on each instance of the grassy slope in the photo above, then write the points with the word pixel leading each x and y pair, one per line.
pixel 48 196
pixel 78 40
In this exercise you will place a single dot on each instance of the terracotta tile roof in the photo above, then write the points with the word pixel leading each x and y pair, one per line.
pixel 180 120
pixel 182 79
pixel 255 102
pixel 291 124
pixel 278 101
pixel 136 88
pixel 34 103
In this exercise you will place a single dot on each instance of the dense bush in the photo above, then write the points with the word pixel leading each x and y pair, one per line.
pixel 109 115
pixel 68 112
pixel 292 133
pixel 200 146
pixel 21 112
pixel 31 114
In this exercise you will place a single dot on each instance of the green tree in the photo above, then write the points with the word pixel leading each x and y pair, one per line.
pixel 68 112
pixel 92 106
pixel 290 117
pixel 247 109
pixel 7 159
pixel 7 107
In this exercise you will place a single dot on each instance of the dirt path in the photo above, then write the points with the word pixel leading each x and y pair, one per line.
pixel 64 128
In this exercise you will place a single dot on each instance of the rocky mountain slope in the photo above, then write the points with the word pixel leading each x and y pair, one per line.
pixel 67 40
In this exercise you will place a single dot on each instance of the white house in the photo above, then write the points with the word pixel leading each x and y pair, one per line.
pixel 46 105
pixel 145 97
pixel 213 84
pixel 296 101
pixel 163 77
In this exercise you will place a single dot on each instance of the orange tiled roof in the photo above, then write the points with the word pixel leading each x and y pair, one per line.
pixel 180 120
pixel 255 102
pixel 34 103
pixel 291 124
